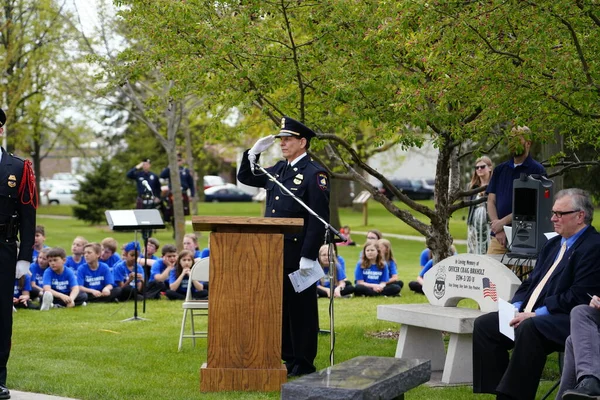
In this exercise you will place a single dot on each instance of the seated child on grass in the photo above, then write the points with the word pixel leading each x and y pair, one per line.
pixel 372 273
pixel 60 284
pixel 76 259
pixel 159 273
pixel 385 246
pixel 127 272
pixel 21 297
pixel 38 241
pixel 95 278
pixel 37 274
pixel 343 287
pixel 179 279
pixel 109 255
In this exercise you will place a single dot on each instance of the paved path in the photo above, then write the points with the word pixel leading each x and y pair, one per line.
pixel 16 395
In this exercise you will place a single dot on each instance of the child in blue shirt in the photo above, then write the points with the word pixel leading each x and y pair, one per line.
pixel 76 259
pixel 94 277
pixel 37 270
pixel 38 242
pixel 372 274
pixel 190 242
pixel 60 284
pixel 108 254
pixel 158 281
pixel 21 296
pixel 388 256
pixel 343 287
pixel 126 273
pixel 179 279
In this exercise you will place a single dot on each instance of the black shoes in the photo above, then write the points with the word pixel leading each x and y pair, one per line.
pixel 588 388
pixel 298 370
pixel 4 392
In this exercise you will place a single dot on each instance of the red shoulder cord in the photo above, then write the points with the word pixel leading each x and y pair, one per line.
pixel 28 180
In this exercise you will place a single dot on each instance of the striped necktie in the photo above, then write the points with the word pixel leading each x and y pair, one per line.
pixel 540 286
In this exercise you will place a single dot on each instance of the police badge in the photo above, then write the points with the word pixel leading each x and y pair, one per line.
pixel 439 288
pixel 12 181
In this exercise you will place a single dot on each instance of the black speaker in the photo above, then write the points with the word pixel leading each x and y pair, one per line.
pixel 532 209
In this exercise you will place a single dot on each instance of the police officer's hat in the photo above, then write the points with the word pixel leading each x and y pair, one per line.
pixel 2 118
pixel 291 127
pixel 146 160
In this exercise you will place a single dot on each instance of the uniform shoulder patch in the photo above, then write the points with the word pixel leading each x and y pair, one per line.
pixel 323 180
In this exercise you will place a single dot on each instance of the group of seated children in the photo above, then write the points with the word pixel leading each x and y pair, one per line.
pixel 96 273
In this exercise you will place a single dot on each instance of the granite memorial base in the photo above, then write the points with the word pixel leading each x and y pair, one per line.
pixel 361 378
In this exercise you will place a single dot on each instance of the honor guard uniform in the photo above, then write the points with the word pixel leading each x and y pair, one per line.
pixel 141 173
pixel 18 201
pixel 308 181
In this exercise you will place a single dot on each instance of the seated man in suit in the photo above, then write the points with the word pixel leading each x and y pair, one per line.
pixel 566 270
pixel 581 371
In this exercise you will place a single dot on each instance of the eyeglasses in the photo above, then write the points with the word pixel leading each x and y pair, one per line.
pixel 372 238
pixel 559 214
pixel 480 166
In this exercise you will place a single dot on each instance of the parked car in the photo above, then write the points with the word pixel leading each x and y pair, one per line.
pixel 213 180
pixel 413 188
pixel 226 193
pixel 59 195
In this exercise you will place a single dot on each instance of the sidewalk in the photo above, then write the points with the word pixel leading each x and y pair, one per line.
pixel 16 395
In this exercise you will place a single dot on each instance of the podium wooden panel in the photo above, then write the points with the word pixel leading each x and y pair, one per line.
pixel 245 307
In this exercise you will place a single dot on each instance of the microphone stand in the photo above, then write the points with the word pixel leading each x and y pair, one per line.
pixel 148 203
pixel 329 230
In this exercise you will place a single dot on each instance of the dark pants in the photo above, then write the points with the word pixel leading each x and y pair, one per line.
pixel 300 316
pixel 154 288
pixel 115 293
pixel 494 372
pixel 346 291
pixel 81 297
pixel 8 262
pixel 389 290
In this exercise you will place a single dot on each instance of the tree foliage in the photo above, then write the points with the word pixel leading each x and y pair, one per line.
pixel 368 75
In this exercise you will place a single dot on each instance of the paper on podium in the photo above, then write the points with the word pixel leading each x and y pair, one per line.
pixel 550 235
pixel 506 313
pixel 302 280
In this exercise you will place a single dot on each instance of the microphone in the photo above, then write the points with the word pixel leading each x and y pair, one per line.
pixel 146 186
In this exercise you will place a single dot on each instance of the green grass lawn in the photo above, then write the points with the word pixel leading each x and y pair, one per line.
pixel 88 353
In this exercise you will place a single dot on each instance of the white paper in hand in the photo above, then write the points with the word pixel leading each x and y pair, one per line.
pixel 301 280
pixel 506 312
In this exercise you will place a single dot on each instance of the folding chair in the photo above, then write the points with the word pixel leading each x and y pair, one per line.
pixel 194 307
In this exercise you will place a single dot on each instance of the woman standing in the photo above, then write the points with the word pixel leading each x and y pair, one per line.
pixel 478 231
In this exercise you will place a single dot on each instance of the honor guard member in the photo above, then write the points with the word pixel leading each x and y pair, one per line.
pixel 140 173
pixel 308 181
pixel 18 201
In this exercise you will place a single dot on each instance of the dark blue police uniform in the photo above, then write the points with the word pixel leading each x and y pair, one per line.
pixel 18 201
pixel 150 177
pixel 309 182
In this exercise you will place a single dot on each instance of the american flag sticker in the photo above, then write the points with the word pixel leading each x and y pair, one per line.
pixel 489 289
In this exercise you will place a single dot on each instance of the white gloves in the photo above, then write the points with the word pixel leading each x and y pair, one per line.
pixel 306 264
pixel 22 268
pixel 260 146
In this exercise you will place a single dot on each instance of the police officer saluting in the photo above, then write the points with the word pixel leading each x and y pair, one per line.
pixel 140 173
pixel 308 181
pixel 18 201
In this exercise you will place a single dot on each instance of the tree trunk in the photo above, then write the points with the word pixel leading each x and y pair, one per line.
pixel 190 161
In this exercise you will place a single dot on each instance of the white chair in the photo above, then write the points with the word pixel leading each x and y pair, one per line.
pixel 198 307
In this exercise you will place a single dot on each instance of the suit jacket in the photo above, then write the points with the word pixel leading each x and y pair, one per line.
pixel 577 274
pixel 308 181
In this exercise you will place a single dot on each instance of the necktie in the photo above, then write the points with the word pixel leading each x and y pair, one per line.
pixel 284 171
pixel 540 286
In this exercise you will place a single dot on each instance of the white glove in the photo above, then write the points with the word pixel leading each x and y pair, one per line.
pixel 261 145
pixel 252 158
pixel 306 264
pixel 22 268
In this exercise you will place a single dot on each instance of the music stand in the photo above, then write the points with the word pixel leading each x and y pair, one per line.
pixel 135 220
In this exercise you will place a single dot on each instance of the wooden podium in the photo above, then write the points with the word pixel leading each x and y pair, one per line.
pixel 245 306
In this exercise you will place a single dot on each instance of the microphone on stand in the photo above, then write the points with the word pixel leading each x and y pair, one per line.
pixel 146 186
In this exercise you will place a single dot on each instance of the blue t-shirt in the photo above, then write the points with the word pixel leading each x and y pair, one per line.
pixel 157 268
pixel 341 276
pixel 501 183
pixel 35 253
pixel 426 268
pixel 121 273
pixel 63 282
pixel 26 286
pixel 37 274
pixel 392 268
pixel 74 265
pixel 425 256
pixel 94 279
pixel 342 263
pixel 112 261
pixel 373 274
pixel 184 282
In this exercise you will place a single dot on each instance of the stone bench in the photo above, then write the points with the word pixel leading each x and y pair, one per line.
pixel 360 378
pixel 465 276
